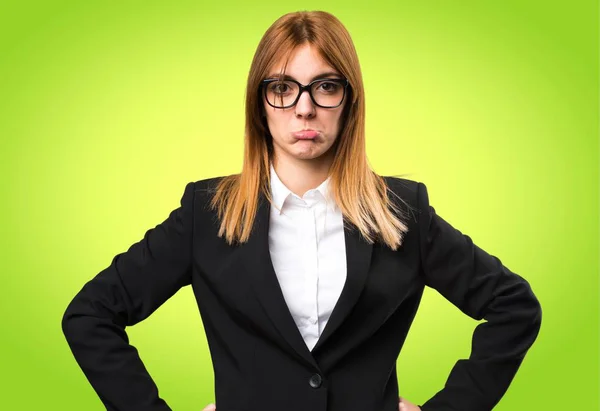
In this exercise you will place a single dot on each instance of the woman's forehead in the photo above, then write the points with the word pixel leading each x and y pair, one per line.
pixel 304 63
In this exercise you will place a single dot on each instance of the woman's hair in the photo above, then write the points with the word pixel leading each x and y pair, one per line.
pixel 361 195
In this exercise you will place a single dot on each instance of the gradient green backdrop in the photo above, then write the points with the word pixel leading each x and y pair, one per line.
pixel 109 108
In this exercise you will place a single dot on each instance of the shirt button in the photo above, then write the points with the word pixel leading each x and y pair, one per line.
pixel 315 381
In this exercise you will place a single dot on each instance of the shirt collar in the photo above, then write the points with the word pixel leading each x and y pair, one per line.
pixel 280 192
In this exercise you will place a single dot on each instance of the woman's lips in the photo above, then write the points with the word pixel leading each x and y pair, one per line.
pixel 306 134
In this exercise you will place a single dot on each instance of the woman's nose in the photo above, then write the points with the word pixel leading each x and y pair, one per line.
pixel 305 106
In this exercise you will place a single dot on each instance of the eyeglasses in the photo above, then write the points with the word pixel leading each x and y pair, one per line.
pixel 326 92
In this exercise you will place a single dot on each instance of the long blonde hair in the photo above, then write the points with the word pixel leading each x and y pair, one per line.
pixel 358 191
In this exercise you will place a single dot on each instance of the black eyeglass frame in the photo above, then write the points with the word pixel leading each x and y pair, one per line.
pixel 302 88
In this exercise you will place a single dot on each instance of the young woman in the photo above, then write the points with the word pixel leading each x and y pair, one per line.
pixel 307 267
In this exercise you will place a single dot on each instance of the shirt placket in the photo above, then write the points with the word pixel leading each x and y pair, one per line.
pixel 311 266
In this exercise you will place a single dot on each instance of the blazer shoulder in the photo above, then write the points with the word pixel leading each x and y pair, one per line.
pixel 402 186
pixel 204 189
pixel 408 194
pixel 207 184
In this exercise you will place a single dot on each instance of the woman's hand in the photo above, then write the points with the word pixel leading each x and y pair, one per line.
pixel 403 405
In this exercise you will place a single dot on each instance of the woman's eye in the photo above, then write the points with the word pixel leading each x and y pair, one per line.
pixel 279 88
pixel 328 86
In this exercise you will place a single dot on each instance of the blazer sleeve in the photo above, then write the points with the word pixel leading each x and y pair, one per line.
pixel 133 286
pixel 483 288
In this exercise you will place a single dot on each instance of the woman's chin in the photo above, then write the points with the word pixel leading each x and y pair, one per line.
pixel 309 154
pixel 306 150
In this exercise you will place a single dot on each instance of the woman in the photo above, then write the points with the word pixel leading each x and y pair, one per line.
pixel 307 267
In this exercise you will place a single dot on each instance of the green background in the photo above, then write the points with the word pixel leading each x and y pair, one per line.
pixel 109 108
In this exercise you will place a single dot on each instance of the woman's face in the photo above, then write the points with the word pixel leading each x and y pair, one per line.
pixel 284 124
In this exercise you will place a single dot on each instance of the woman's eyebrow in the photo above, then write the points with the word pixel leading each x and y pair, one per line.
pixel 322 75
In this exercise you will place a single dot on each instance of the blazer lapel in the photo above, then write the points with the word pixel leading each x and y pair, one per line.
pixel 358 261
pixel 267 288
pixel 265 283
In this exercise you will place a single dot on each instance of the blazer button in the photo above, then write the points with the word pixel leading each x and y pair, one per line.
pixel 315 381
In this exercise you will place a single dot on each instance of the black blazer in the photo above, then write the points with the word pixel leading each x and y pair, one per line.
pixel 260 360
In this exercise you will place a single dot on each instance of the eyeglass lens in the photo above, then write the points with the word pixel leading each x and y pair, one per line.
pixel 325 93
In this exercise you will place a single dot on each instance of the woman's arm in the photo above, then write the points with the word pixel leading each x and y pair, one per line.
pixel 483 288
pixel 131 288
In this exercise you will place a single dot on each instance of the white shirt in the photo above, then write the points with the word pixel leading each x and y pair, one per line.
pixel 308 250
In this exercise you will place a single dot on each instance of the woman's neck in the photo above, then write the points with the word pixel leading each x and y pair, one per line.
pixel 302 175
